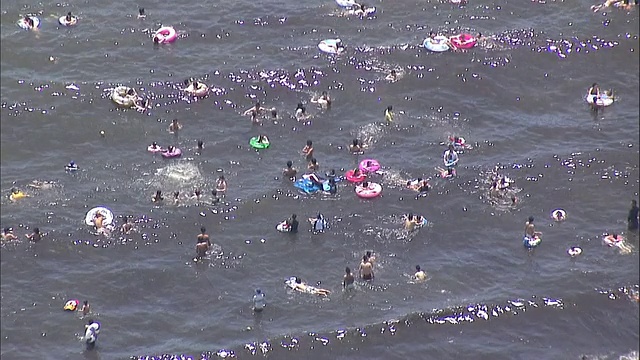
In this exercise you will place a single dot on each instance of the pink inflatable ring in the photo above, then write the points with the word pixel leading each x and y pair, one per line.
pixel 171 154
pixel 370 191
pixel 165 35
pixel 354 179
pixel 463 41
pixel 369 165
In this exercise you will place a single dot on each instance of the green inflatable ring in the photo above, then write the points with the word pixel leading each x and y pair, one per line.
pixel 258 145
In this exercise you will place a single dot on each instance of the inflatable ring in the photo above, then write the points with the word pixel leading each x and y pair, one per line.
pixel 259 145
pixel 17 196
pixel 23 24
pixel 120 96
pixel 373 190
pixel 437 44
pixel 369 165
pixel 358 11
pixel 463 41
pixel 91 334
pixel 165 35
pixel 559 215
pixel 330 46
pixel 88 219
pixel 306 186
pixel 152 149
pixel 71 305
pixel 604 100
pixel 610 240
pixel 530 243
pixel 175 153
pixel 354 179
pixel 346 3
pixel 283 227
pixel 201 91
pixel 63 21
pixel 574 251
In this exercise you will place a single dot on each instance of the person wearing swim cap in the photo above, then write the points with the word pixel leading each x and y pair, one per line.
pixel 289 172
pixel 388 114
pixel 292 223
pixel 348 280
pixel 7 234
pixel 203 243
pixel 259 301
pixel 307 151
pixel 420 275
pixel 529 229
pixel 632 218
pixel 35 236
pixel 366 269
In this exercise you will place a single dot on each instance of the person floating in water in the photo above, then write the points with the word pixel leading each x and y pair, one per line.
pixel 35 236
pixel 348 280
pixel 302 287
pixel 203 243
pixel 17 194
pixel 388 114
pixel 632 218
pixel 392 77
pixel 259 301
pixel 324 100
pixel 318 223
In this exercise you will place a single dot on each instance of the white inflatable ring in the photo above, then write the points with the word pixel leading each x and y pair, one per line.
pixel 63 21
pixel 329 46
pixel 574 251
pixel 437 44
pixel 36 23
pixel 555 215
pixel 108 216
pixel 603 100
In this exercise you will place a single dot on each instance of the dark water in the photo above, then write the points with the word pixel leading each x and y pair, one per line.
pixel 518 100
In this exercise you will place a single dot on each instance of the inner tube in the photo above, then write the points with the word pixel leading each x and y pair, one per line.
pixel 258 145
pixel 283 227
pixel 346 3
pixel 574 251
pixel 23 24
pixel 202 90
pixel 91 334
pixel 372 191
pixel 609 240
pixel 165 35
pixel 603 100
pixel 558 215
pixel 330 46
pixel 369 165
pixel 71 305
pixel 436 44
pixel 175 153
pixel 358 11
pixel 463 41
pixel 152 149
pixel 63 21
pixel 354 179
pixel 120 97
pixel 530 243
pixel 306 186
pixel 108 216
pixel 17 196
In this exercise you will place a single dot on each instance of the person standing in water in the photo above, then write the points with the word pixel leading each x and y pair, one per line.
pixel 203 243
pixel 348 281
pixel 420 275
pixel 632 218
pixel 388 114
pixel 366 269
pixel 529 229
pixel 293 224
pixel 85 308
pixel 259 301
pixel 289 172
pixel 307 151
pixel 35 236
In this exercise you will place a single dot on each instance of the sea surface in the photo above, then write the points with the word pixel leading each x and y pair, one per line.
pixel 517 98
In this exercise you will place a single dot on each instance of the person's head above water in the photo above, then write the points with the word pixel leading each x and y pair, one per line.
pixel 319 217
pixel 141 11
pixel 214 192
pixel 186 82
pixel 258 291
pixel 530 219
pixel 309 143
pixel 389 108
pixel 365 183
pixel 298 280
pixel 393 72
pixel 368 253
pixel 203 229
pixel 156 39
pixel 200 144
pixel 417 267
pixel 314 161
pixel 347 270
pixel 324 94
pixel 257 105
pixel 294 216
pixel 289 163
pixel 355 142
pixel 68 18
pixel 431 34
pixel 274 113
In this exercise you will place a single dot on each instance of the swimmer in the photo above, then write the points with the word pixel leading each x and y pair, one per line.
pixel 256 108
pixel 450 158
pixel 28 21
pixel 35 236
pixel 289 172
pixel 70 19
pixel 301 112
pixel 292 223
pixel 366 269
pixel 200 146
pixel 371 257
pixel 594 91
pixel 203 243
pixel 274 114
pixel 419 275
pixel 221 184
pixel 348 280
pixel 175 126
pixel 126 226
pixel 262 139
pixel 157 197
pixel 313 165
pixel 254 118
pixel 324 100
pixel 558 215
pixel 357 172
pixel 318 223
pixel 214 197
pixel 423 186
pixel 259 301
pixel 393 76
pixel 529 229
pixel 338 47
pixel 410 223
pixel 197 194
pixel 307 151
pixel 7 234
pixel 302 287
pixel 155 147
pixel 86 309
pixel 17 194
pixel 632 218
pixel 356 147
pixel 141 14
pixel 176 197
pixel 388 114
pixel 626 4
pixel 71 166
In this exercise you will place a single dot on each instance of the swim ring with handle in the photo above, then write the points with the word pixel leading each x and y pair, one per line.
pixel 23 24
pixel 604 100
pixel 166 34
pixel 373 190
pixel 369 165
pixel 175 153
pixel 63 21
pixel 120 97
pixel 329 46
pixel 108 216
pixel 574 251
pixel 202 90
pixel 258 145
pixel 463 41
pixel 436 44
pixel 355 179
pixel 71 305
